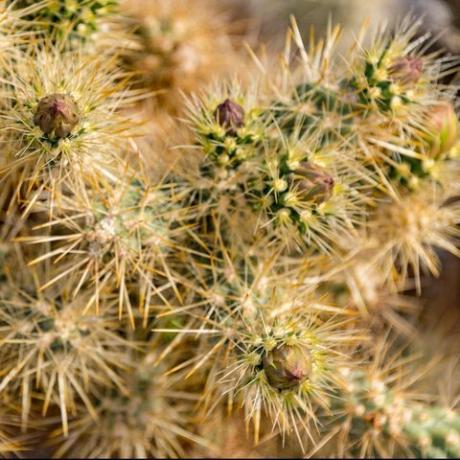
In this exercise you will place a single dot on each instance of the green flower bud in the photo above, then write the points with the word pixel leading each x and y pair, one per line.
pixel 406 70
pixel 313 183
pixel 230 115
pixel 58 114
pixel 286 367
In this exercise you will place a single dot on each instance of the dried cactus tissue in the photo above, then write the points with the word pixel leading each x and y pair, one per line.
pixel 218 242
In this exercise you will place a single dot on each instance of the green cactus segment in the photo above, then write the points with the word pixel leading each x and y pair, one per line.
pixel 263 174
pixel 426 431
pixel 316 110
pixel 141 215
pixel 229 133
pixel 383 83
pixel 408 171
pixel 329 115
pixel 145 418
pixel 298 193
pixel 377 87
pixel 75 18
pixel 435 433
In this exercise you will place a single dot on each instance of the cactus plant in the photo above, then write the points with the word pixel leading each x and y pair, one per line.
pixel 149 416
pixel 380 414
pixel 254 274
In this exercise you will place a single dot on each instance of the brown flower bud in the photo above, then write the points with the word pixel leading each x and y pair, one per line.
pixel 313 183
pixel 230 115
pixel 287 367
pixel 443 127
pixel 58 114
pixel 406 70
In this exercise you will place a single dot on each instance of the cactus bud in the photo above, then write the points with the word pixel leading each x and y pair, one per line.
pixel 442 127
pixel 313 183
pixel 406 70
pixel 57 113
pixel 230 116
pixel 287 367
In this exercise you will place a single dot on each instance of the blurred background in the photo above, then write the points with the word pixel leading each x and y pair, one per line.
pixel 441 18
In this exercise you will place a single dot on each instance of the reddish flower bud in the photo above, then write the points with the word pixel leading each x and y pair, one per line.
pixel 443 127
pixel 406 70
pixel 230 115
pixel 58 114
pixel 287 367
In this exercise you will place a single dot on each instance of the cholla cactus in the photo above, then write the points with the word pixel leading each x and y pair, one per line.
pixel 60 117
pixel 112 237
pixel 382 422
pixel 262 348
pixel 151 417
pixel 391 90
pixel 283 371
pixel 381 414
pixel 51 347
pixel 71 20
pixel 253 276
pixel 250 170
pixel 426 220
